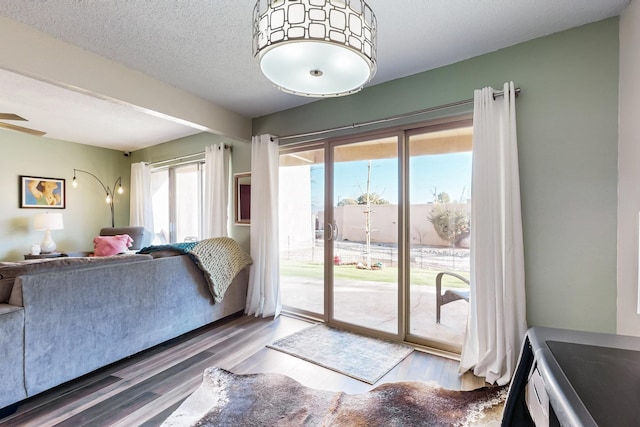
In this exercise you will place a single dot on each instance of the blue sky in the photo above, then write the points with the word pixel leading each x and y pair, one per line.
pixel 450 173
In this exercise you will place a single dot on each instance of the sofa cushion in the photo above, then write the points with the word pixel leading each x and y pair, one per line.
pixel 111 245
pixel 10 270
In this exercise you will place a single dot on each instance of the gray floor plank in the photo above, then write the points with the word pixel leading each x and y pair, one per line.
pixel 146 388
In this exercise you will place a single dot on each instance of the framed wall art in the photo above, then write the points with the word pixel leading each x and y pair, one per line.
pixel 42 193
pixel 242 198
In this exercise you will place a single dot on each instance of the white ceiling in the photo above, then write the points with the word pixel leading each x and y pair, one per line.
pixel 204 47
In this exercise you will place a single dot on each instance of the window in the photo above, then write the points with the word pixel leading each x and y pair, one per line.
pixel 178 194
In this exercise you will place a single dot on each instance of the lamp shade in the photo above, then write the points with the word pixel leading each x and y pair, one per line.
pixel 48 221
pixel 317 48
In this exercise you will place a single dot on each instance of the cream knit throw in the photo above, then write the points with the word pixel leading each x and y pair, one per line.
pixel 221 259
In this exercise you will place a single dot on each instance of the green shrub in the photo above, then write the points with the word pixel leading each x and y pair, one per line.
pixel 451 224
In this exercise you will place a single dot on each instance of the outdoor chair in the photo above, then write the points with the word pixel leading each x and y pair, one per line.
pixel 449 295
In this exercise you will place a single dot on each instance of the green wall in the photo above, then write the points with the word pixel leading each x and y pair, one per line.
pixel 86 211
pixel 567 136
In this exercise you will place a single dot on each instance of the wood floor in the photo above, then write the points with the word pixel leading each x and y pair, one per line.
pixel 145 389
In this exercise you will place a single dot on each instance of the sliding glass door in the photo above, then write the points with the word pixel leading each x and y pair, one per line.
pixel 302 255
pixel 438 228
pixel 363 234
pixel 367 225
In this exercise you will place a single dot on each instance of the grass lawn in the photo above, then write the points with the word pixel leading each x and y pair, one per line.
pixel 350 272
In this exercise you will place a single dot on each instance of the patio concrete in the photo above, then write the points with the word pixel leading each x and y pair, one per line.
pixel 374 305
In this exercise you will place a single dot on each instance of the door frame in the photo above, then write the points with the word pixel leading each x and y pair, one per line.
pixel 402 133
pixel 329 318
pixel 440 125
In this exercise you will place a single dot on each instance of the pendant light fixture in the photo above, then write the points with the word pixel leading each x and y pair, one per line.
pixel 317 48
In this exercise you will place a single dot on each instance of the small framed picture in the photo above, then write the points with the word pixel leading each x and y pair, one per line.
pixel 42 193
pixel 242 196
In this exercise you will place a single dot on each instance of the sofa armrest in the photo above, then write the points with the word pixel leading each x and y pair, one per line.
pixel 11 354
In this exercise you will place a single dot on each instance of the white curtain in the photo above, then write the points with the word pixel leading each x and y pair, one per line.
pixel 140 207
pixel 497 317
pixel 263 296
pixel 216 197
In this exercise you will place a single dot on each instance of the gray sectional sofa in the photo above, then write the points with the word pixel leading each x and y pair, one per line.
pixel 62 318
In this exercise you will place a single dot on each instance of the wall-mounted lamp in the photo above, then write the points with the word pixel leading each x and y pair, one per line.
pixel 108 191
pixel 47 222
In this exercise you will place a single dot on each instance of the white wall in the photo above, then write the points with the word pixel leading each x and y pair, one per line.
pixel 628 320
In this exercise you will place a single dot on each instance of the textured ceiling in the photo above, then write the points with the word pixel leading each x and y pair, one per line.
pixel 78 117
pixel 204 46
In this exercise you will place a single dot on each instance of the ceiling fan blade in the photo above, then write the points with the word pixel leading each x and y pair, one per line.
pixel 11 116
pixel 21 129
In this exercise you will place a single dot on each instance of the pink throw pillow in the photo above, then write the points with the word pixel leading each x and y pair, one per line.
pixel 111 245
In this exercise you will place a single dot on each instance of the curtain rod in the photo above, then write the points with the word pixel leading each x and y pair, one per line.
pixel 496 94
pixel 181 158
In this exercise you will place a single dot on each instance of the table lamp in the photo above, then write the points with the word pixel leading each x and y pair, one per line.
pixel 47 222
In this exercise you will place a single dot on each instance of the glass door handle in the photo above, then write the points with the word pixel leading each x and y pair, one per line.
pixel 330 237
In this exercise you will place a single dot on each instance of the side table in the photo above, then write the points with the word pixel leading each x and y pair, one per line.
pixel 42 256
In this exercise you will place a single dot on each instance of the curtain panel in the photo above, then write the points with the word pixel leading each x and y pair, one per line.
pixel 216 197
pixel 263 295
pixel 141 208
pixel 497 311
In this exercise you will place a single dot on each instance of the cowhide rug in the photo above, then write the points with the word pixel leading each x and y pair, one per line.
pixel 226 399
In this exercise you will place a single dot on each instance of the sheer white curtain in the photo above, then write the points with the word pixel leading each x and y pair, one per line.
pixel 216 197
pixel 263 296
pixel 140 206
pixel 497 316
